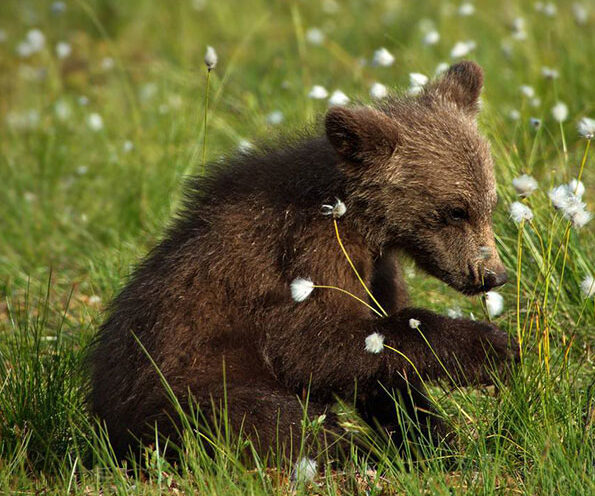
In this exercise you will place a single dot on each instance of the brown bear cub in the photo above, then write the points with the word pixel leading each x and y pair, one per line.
pixel 214 301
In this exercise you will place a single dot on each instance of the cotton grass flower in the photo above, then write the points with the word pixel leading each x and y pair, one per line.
pixel 535 122
pixel 524 185
pixel 318 92
pixel 466 9
pixel 520 212
pixel 576 187
pixel 431 37
pixel 315 36
pixel 304 470
pixel 374 343
pixel 441 68
pixel 301 288
pixel 414 323
pixel 586 127
pixel 560 112
pixel 580 13
pixel 383 58
pixel 588 287
pixel 210 58
pixel 275 117
pixel 494 303
pixel 95 122
pixel 549 73
pixel 514 115
pixel 527 91
pixel 378 91
pixel 566 198
pixel 336 211
pixel 338 98
pixel 462 49
pixel 63 49
pixel 416 82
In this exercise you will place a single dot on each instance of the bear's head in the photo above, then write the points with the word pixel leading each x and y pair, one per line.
pixel 421 178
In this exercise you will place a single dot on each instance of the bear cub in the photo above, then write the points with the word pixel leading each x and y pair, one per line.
pixel 228 295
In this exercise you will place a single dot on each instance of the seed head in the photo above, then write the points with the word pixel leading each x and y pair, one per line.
pixel 301 289
pixel 524 185
pixel 494 303
pixel 210 58
pixel 374 343
pixel 520 212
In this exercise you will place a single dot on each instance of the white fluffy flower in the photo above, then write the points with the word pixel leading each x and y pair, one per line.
pixel 580 13
pixel 62 110
pixel 466 9
pixel 494 303
pixel 301 289
pixel 454 313
pixel 337 210
pixel 524 185
pixel 560 112
pixel 36 40
pixel 580 218
pixel 527 90
pixel 431 37
pixel 462 48
pixel 514 115
pixel 417 81
pixel 383 57
pixel 338 98
pixel 441 68
pixel 95 122
pixel 210 58
pixel 318 92
pixel 559 196
pixel 374 343
pixel 549 73
pixel 588 287
pixel 535 122
pixel 520 212
pixel 576 187
pixel 586 127
pixel 275 117
pixel 315 36
pixel 63 49
pixel 378 91
pixel 414 323
pixel 304 470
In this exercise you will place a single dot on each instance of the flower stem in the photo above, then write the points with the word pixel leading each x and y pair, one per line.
pixel 204 137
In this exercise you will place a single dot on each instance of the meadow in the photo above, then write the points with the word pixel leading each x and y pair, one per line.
pixel 102 117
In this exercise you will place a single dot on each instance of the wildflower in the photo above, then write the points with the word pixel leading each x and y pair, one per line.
pixel 416 82
pixel 83 101
pixel 128 146
pixel 524 185
pixel 514 115
pixel 318 92
pixel 550 9
pixel 36 40
pixel 560 112
pixel 580 13
pixel 63 49
pixel 107 63
pixel 383 57
pixel 337 210
pixel 62 110
pixel 58 8
pixel 304 470
pixel 441 68
pixel 95 122
pixel 466 9
pixel 588 286
pixel 431 37
pixel 244 146
pixel 374 343
pixel 454 313
pixel 275 117
pixel 586 127
pixel 518 29
pixel 301 289
pixel 559 196
pixel 338 98
pixel 549 73
pixel 527 90
pixel 535 122
pixel 414 323
pixel 330 6
pixel 520 212
pixel 462 48
pixel 580 218
pixel 577 188
pixel 494 303
pixel 210 58
pixel 94 300
pixel 81 170
pixel 315 36
pixel 378 91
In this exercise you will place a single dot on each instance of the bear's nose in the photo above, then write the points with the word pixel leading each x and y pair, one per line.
pixel 492 279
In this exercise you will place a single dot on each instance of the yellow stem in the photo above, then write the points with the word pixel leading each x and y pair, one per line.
pixel 355 270
pixel 320 286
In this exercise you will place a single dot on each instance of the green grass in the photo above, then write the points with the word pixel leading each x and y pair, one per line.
pixel 79 207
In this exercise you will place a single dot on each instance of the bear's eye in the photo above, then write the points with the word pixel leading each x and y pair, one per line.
pixel 458 214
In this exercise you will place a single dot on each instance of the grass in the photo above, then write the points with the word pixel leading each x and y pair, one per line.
pixel 79 207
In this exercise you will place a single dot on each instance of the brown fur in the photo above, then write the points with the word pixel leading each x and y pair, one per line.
pixel 215 293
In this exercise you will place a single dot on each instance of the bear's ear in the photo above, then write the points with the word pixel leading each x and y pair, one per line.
pixel 361 134
pixel 461 84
